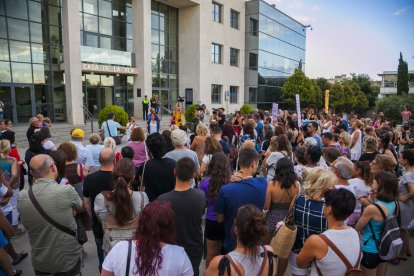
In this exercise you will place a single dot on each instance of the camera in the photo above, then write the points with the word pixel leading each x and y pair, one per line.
pixel 214 111
pixel 180 99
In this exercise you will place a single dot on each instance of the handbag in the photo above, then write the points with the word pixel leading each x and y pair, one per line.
pixel 282 242
pixel 80 233
pixel 117 139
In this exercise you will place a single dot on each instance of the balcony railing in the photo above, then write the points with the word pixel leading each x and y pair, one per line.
pixel 105 56
pixel 389 84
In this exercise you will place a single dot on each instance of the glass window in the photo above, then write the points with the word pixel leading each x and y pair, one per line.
pixel 119 44
pixel 105 42
pixel 36 32
pixel 234 57
pixel 129 31
pixel 20 51
pixel 4 50
pixel 18 29
pixel 35 9
pixel 215 53
pixel 55 35
pixel 54 15
pixel 90 23
pixel 252 94
pixel 38 54
pixel 253 26
pixel 5 71
pixel 234 92
pixel 90 6
pixel 216 12
pixel 17 8
pixel 105 26
pixel 105 8
pixel 234 19
pixel 216 94
pixel 38 73
pixel 119 28
pixel 3 29
pixel 22 72
pixel 2 7
pixel 118 11
pixel 129 45
pixel 91 40
pixel 129 14
pixel 155 21
pixel 253 61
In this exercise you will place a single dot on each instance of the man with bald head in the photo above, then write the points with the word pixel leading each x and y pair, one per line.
pixel 93 185
pixel 53 251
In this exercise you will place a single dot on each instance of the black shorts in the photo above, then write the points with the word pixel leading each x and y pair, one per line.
pixel 371 260
pixel 214 231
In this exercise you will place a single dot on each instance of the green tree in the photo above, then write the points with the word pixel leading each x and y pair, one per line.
pixel 370 90
pixel 402 76
pixel 346 96
pixel 309 91
pixel 393 105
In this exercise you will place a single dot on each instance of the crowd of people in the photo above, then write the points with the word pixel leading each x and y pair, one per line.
pixel 341 180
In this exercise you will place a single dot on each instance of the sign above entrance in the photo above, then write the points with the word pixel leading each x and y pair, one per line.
pixel 108 69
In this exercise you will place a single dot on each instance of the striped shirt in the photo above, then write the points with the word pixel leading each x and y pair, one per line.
pixel 309 220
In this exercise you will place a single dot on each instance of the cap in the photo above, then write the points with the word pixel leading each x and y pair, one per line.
pixel 77 133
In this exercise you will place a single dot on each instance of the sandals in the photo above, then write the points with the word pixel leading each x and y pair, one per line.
pixel 23 255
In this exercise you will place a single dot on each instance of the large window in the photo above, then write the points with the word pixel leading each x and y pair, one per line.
pixel 234 92
pixel 216 53
pixel 253 26
pixel 216 93
pixel 252 61
pixel 234 19
pixel 234 57
pixel 216 12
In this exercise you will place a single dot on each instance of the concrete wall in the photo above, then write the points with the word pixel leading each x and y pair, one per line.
pixel 197 32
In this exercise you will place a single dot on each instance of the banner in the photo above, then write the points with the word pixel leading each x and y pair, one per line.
pixel 327 101
pixel 298 110
pixel 275 111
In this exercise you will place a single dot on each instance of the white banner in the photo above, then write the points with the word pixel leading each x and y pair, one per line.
pixel 298 110
pixel 275 111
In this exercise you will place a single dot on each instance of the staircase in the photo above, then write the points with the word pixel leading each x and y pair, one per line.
pixel 61 131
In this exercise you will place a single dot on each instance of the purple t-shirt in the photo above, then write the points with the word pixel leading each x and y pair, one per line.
pixel 211 213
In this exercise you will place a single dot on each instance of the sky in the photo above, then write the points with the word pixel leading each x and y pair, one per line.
pixel 354 36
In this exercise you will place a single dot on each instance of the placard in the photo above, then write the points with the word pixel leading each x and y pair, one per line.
pixel 275 111
pixel 298 110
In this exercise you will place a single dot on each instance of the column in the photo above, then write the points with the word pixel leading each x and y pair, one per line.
pixel 72 61
pixel 141 25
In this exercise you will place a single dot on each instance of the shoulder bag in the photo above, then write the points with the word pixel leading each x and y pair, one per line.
pixel 80 234
pixel 116 138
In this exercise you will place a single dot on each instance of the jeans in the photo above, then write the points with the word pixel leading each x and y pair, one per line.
pixel 99 245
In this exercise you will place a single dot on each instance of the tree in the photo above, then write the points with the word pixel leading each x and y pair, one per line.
pixel 393 105
pixel 309 91
pixel 402 76
pixel 370 90
pixel 346 96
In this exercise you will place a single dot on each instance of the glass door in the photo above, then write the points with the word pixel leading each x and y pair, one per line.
pixel 164 100
pixel 6 99
pixel 24 103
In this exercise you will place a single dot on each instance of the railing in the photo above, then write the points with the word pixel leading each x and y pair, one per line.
pixel 87 114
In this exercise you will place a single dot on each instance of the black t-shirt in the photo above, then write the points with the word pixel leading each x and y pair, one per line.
pixel 93 185
pixel 153 102
pixel 368 156
pixel 189 208
pixel 158 177
pixel 223 119
pixel 30 132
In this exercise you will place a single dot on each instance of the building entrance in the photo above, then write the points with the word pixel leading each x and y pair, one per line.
pixel 19 103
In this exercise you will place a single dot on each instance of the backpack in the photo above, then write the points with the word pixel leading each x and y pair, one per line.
pixel 113 233
pixel 351 270
pixel 390 243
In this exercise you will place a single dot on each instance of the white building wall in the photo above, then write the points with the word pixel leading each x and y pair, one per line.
pixel 197 33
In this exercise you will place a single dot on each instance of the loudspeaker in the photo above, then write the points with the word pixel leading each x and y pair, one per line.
pixel 139 92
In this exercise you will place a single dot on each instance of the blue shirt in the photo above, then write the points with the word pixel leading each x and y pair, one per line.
pixel 259 129
pixel 225 146
pixel 345 123
pixel 95 150
pixel 234 195
pixel 3 244
pixel 113 128
pixel 318 140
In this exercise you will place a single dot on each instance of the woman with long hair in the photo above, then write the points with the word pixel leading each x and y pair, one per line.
pixel 212 146
pixel 229 132
pixel 292 133
pixel 283 149
pixel 356 140
pixel 123 203
pixel 74 173
pixel 249 256
pixel 406 199
pixel 345 141
pixel 384 193
pixel 152 250
pixel 248 133
pixel 238 122
pixel 386 147
pixel 199 143
pixel 218 174
pixel 280 193
pixel 361 181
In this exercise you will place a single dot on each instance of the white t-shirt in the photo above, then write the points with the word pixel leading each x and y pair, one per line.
pixel 346 187
pixel 6 208
pixel 207 158
pixel 174 260
pixel 49 145
pixel 360 190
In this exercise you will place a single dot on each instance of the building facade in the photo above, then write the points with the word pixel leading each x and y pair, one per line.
pixel 389 83
pixel 58 56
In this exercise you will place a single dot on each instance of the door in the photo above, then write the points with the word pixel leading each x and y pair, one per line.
pixel 24 99
pixel 6 98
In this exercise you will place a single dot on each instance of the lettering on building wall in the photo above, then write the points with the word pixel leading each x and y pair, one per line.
pixel 99 68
